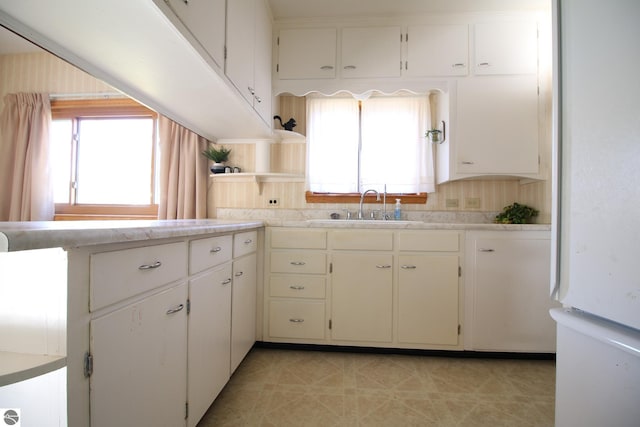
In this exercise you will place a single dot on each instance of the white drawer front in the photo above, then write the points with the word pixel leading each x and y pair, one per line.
pixel 437 241
pixel 119 275
pixel 297 286
pixel 245 243
pixel 298 262
pixel 296 238
pixel 362 240
pixel 206 253
pixel 296 319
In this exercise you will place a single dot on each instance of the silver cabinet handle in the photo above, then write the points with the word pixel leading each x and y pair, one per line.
pixel 483 64
pixel 258 99
pixel 349 67
pixel 226 281
pixel 248 242
pixel 327 67
pixel 150 266
pixel 383 266
pixel 458 64
pixel 175 309
pixel 296 287
pixel 297 263
pixel 239 273
pixel 252 91
pixel 467 163
pixel 408 267
pixel 296 320
pixel 216 249
pixel 486 250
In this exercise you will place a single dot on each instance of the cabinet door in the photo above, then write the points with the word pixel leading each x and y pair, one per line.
pixel 139 362
pixel 362 295
pixel 511 301
pixel 239 66
pixel 307 53
pixel 371 52
pixel 506 48
pixel 262 62
pixel 437 50
pixel 428 299
pixel 209 339
pixel 243 311
pixel 205 19
pixel 497 125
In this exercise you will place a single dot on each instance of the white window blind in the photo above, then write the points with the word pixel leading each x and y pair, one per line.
pixel 382 144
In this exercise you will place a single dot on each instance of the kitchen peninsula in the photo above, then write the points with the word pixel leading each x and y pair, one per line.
pixel 132 308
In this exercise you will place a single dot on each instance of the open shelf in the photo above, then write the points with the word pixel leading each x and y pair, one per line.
pixel 16 367
pixel 257 178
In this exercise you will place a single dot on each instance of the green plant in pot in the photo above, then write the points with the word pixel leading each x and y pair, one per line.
pixel 516 214
pixel 218 156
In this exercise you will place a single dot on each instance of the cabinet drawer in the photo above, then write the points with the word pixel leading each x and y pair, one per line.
pixel 297 238
pixel 297 286
pixel 205 253
pixel 118 275
pixel 298 262
pixel 429 241
pixel 245 243
pixel 362 240
pixel 296 319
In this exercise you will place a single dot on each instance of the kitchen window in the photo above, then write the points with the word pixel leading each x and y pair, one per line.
pixel 104 157
pixel 356 145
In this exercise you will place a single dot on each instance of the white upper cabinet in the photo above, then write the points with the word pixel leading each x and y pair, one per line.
pixel 308 53
pixel 248 63
pixel 370 52
pixel 497 126
pixel 506 47
pixel 205 20
pixel 437 50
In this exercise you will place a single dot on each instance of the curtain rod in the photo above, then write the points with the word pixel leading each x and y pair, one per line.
pixel 92 95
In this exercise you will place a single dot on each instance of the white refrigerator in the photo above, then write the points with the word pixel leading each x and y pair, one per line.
pixel 596 225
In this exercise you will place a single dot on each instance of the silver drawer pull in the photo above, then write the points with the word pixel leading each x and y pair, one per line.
pixel 227 281
pixel 467 163
pixel 383 266
pixel 248 242
pixel 483 64
pixel 486 250
pixel 349 67
pixel 458 64
pixel 175 309
pixel 297 263
pixel 150 266
pixel 216 249
pixel 408 267
pixel 327 67
pixel 239 273
pixel 296 320
pixel 296 287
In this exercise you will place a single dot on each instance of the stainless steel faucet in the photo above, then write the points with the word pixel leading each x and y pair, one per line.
pixel 360 213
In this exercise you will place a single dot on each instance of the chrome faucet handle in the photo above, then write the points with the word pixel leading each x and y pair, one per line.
pixel 347 213
pixel 374 214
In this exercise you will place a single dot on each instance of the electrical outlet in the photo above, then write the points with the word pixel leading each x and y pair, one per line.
pixel 472 203
pixel 451 203
pixel 274 202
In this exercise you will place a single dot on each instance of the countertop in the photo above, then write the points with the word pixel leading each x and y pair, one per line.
pixel 19 236
pixel 408 225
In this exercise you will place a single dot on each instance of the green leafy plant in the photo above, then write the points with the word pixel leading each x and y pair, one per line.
pixel 516 214
pixel 217 155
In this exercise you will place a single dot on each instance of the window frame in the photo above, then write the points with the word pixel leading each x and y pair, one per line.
pixel 75 109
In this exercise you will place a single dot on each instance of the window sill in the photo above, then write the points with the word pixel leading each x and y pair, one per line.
pixel 66 212
pixel 407 199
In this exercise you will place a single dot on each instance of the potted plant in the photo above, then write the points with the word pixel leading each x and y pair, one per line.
pixel 218 156
pixel 516 214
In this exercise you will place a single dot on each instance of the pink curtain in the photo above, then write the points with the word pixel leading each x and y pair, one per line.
pixel 26 192
pixel 183 172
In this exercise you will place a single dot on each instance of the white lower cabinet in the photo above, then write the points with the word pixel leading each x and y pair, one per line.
pixel 362 297
pixel 139 362
pixel 507 283
pixel 243 309
pixel 209 339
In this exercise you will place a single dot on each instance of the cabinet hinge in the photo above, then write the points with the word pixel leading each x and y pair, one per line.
pixel 88 364
pixel 330 323
pixel 459 329
pixel 330 267
pixel 278 40
pixel 188 306
pixel 459 271
pixel 225 52
pixel 186 410
pixel 277 68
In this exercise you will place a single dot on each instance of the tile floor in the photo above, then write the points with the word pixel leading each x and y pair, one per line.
pixel 274 387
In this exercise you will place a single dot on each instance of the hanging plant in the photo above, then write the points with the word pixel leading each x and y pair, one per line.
pixel 516 214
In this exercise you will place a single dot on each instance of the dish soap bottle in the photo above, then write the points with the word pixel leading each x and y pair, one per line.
pixel 397 212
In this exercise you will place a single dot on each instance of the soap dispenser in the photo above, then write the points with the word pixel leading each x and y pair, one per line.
pixel 397 213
